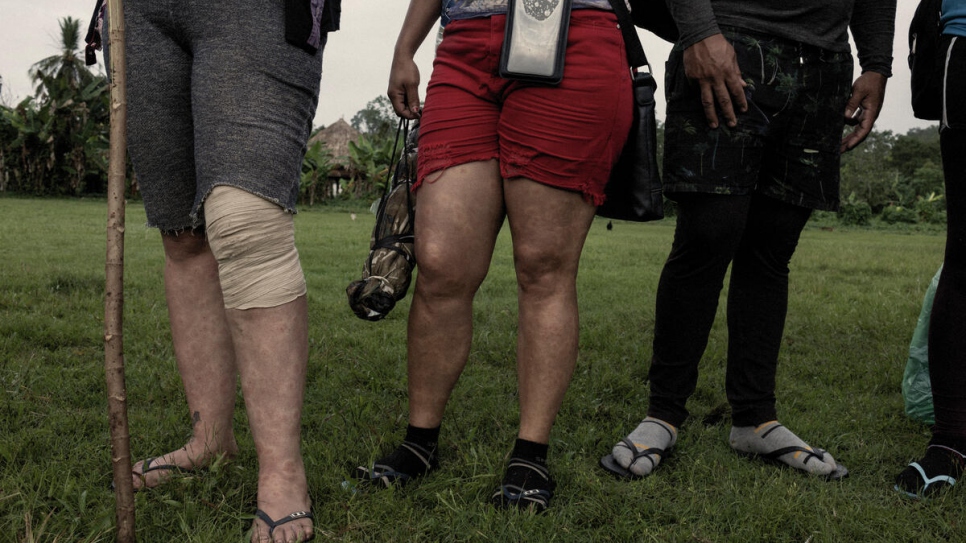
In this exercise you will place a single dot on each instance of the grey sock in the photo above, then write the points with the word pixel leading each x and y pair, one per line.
pixel 768 440
pixel 650 440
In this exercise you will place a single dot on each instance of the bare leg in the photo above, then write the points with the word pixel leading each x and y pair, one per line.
pixel 549 227
pixel 272 353
pixel 459 214
pixel 203 349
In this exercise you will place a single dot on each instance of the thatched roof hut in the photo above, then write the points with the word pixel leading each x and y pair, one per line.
pixel 336 138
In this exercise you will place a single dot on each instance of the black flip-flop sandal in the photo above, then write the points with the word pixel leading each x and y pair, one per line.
pixel 272 523
pixel 840 471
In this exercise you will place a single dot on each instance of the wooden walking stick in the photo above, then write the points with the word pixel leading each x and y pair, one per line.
pixel 114 293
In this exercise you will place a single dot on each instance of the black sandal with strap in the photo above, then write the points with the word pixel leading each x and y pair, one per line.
pixel 383 471
pixel 535 490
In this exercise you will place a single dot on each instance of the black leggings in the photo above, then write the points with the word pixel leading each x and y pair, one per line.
pixel 757 236
pixel 947 325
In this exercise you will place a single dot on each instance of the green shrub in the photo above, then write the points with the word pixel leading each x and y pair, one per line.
pixel 931 209
pixel 854 212
pixel 893 214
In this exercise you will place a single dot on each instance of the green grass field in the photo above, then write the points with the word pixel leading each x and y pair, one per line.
pixel 855 297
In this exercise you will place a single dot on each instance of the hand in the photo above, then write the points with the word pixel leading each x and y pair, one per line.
pixel 713 65
pixel 403 90
pixel 863 107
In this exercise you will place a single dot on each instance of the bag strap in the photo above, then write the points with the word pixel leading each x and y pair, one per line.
pixel 93 39
pixel 403 129
pixel 635 52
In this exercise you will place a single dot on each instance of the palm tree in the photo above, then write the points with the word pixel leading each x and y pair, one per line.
pixel 65 72
pixel 62 130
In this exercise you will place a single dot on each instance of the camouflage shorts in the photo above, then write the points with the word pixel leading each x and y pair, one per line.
pixel 785 146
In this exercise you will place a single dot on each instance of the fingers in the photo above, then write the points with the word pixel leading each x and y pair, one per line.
pixel 405 101
pixel 708 104
pixel 713 65
pixel 728 97
pixel 403 90
pixel 863 107
pixel 863 127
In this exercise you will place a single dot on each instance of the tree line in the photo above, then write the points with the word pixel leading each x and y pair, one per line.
pixel 55 143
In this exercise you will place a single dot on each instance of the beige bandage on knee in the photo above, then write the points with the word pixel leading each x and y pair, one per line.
pixel 253 241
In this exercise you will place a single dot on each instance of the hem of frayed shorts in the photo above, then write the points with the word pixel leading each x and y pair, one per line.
pixel 276 201
pixel 594 198
pixel 444 163
pixel 175 230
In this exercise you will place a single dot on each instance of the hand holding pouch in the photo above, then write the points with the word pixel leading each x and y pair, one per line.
pixel 535 40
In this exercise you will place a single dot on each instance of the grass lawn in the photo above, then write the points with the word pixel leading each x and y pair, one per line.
pixel 855 296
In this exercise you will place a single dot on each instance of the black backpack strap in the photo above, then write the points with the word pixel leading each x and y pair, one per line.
pixel 635 52
pixel 93 38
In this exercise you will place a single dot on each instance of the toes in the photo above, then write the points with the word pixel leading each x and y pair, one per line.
pixel 825 466
pixel 821 464
pixel 260 533
pixel 623 456
pixel 292 534
pixel 643 466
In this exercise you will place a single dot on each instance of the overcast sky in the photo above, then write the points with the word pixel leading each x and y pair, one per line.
pixel 357 58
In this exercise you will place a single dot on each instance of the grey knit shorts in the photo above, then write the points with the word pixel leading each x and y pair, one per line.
pixel 216 96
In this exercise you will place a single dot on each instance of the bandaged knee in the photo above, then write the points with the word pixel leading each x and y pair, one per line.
pixel 253 241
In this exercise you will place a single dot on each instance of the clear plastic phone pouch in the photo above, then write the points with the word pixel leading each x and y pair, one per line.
pixel 535 40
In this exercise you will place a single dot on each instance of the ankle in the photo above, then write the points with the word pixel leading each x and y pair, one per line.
pixel 954 446
pixel 426 438
pixel 531 451
pixel 204 450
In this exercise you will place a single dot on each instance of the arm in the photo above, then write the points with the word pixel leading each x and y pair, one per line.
pixel 403 90
pixel 873 27
pixel 709 60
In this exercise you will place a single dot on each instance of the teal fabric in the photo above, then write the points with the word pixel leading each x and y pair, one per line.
pixel 954 17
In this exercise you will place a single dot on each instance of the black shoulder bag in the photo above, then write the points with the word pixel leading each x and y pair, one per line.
pixel 925 61
pixel 634 191
pixel 654 16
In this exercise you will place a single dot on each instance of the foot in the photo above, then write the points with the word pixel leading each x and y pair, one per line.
pixel 937 470
pixel 772 441
pixel 409 460
pixel 526 485
pixel 273 524
pixel 284 508
pixel 151 472
pixel 643 449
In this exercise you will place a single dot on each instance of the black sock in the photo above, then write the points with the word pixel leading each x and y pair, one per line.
pixel 943 457
pixel 426 438
pixel 940 461
pixel 957 445
pixel 526 471
pixel 415 456
pixel 530 450
pixel 527 468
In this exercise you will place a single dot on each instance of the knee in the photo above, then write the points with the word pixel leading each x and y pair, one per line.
pixel 542 272
pixel 253 241
pixel 441 273
pixel 184 246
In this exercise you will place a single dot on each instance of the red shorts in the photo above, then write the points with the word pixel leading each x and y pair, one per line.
pixel 565 136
